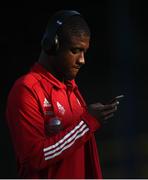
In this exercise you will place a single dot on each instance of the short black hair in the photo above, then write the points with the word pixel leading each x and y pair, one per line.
pixel 74 26
pixel 61 27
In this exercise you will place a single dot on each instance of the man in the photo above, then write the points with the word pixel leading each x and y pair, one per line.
pixel 51 126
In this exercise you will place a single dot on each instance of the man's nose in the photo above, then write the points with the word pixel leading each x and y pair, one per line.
pixel 82 58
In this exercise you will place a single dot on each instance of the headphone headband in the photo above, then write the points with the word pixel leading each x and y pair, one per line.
pixel 50 42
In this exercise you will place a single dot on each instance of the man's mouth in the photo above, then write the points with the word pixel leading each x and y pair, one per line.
pixel 77 67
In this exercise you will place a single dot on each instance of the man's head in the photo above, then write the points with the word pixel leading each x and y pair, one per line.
pixel 69 44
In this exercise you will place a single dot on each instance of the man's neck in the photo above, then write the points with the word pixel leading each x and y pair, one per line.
pixel 46 61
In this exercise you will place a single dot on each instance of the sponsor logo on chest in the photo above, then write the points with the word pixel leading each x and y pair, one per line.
pixel 46 103
pixel 61 109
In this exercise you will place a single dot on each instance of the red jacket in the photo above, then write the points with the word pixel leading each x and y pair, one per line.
pixel 70 152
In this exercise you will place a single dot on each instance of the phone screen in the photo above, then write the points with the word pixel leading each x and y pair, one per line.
pixel 117 98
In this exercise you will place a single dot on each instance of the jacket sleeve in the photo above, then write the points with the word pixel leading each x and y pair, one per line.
pixel 26 124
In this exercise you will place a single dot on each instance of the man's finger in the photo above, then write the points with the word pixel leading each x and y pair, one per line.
pixel 105 113
pixel 109 116
pixel 110 106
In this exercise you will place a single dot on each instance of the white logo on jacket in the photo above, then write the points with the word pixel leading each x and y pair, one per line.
pixel 60 108
pixel 46 103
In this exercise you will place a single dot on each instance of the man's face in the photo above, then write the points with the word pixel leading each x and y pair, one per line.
pixel 71 57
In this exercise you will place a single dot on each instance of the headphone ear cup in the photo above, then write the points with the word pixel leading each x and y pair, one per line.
pixel 56 43
pixel 50 47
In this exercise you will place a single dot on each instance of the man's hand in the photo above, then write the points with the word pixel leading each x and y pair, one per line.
pixel 103 112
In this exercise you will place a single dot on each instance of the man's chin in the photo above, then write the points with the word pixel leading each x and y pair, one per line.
pixel 70 77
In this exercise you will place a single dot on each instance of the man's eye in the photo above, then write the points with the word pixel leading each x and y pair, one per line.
pixel 75 51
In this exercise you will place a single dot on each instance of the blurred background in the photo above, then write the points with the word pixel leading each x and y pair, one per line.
pixel 116 63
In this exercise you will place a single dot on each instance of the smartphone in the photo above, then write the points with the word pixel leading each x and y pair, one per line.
pixel 117 98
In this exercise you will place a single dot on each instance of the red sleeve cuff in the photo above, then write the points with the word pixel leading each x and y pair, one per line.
pixel 92 122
